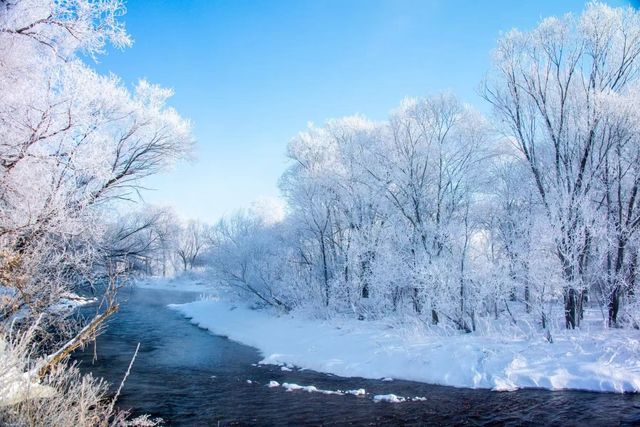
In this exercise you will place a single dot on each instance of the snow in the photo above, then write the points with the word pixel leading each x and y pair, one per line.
pixel 392 398
pixel 598 360
pixel 71 301
pixel 308 388
pixel 314 389
pixel 66 305
pixel 388 398
pixel 17 386
pixel 358 392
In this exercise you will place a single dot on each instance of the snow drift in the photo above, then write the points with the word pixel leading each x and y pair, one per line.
pixel 605 360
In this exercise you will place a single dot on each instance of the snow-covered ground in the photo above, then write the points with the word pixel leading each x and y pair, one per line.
pixel 71 301
pixel 598 360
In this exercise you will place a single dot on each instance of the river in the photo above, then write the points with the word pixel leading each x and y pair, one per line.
pixel 190 377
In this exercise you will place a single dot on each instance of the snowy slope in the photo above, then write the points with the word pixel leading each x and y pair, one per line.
pixel 607 360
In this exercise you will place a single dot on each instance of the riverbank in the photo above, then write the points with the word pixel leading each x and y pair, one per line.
pixel 604 360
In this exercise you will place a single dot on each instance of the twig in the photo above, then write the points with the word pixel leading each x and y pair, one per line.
pixel 126 375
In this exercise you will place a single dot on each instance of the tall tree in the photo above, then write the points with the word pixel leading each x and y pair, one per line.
pixel 554 90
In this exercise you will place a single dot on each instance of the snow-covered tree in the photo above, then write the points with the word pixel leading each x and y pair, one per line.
pixel 561 94
pixel 440 215
pixel 73 143
pixel 191 242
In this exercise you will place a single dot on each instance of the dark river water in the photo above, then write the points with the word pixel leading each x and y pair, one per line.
pixel 190 377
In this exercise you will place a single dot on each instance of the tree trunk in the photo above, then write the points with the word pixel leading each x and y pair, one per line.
pixel 633 268
pixel 434 317
pixel 416 301
pixel 325 271
pixel 614 306
pixel 570 308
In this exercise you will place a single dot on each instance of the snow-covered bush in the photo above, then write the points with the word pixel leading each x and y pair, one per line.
pixel 63 397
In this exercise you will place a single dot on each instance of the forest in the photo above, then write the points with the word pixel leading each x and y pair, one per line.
pixel 530 214
pixel 467 222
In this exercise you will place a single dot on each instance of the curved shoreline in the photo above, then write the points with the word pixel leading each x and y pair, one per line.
pixel 575 361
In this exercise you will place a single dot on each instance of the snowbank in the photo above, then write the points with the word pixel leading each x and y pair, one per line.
pixel 604 360
pixel 17 386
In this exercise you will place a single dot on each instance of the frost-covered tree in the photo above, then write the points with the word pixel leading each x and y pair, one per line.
pixel 559 92
pixel 253 258
pixel 332 202
pixel 370 197
pixel 143 242
pixel 433 214
pixel 73 143
pixel 191 242
pixel 429 169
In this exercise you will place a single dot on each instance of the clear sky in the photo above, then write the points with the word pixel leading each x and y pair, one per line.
pixel 251 74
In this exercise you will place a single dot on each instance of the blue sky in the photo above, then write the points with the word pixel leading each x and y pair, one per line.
pixel 251 74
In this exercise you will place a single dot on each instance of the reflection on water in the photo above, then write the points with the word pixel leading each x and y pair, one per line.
pixel 189 377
